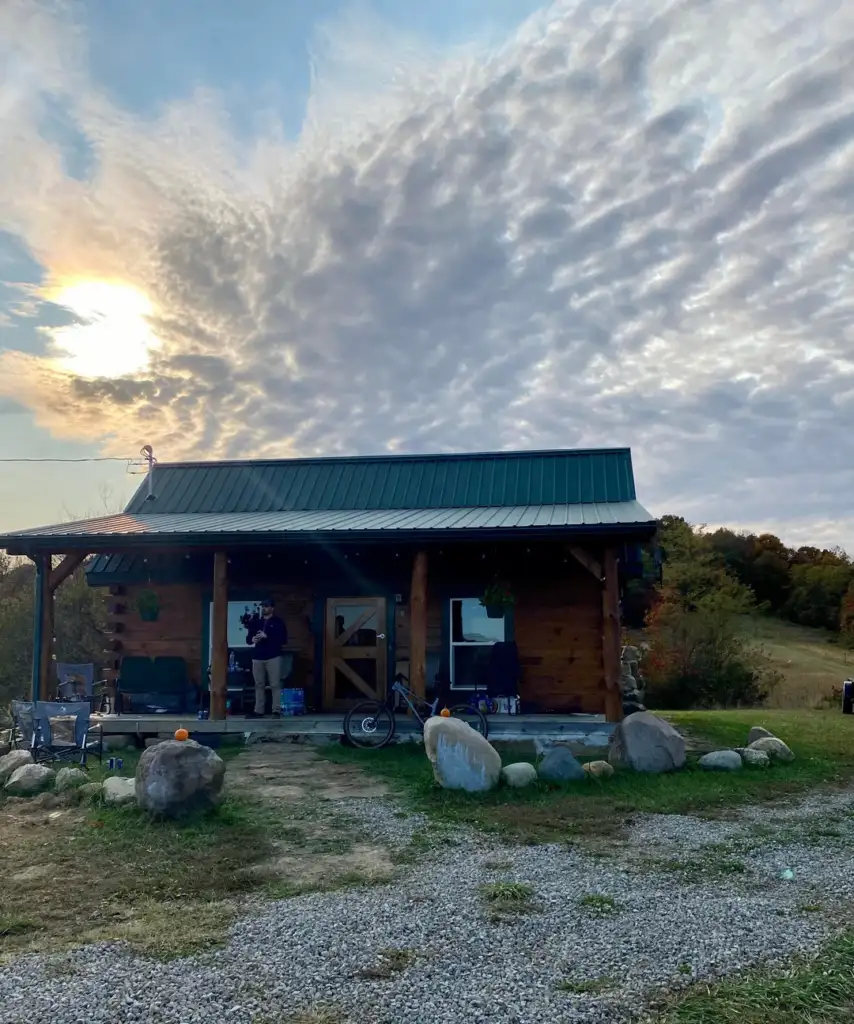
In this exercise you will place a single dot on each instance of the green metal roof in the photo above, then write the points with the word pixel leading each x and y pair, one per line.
pixel 496 479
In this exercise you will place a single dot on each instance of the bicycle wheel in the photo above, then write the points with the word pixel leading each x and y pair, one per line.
pixel 369 724
pixel 475 718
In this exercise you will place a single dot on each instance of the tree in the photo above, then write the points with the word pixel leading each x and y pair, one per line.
pixel 696 656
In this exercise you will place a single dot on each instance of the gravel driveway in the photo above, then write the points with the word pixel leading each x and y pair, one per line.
pixel 453 962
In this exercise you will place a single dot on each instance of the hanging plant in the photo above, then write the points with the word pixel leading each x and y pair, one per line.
pixel 148 606
pixel 496 599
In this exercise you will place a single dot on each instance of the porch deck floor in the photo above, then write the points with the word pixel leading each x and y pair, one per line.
pixel 587 730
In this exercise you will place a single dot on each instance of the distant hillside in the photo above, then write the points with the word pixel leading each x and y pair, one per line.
pixel 812 665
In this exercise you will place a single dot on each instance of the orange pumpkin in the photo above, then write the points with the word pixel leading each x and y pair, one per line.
pixel 181 734
pixel 445 713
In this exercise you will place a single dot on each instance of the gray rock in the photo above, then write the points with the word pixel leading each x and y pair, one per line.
pixel 461 757
pixel 721 761
pixel 598 769
pixel 10 763
pixel 117 791
pixel 152 741
pixel 90 792
pixel 754 758
pixel 5 748
pixel 559 765
pixel 758 732
pixel 646 743
pixel 775 748
pixel 70 778
pixel 519 775
pixel 175 778
pixel 30 779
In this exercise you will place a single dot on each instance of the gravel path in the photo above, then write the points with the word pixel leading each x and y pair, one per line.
pixel 457 963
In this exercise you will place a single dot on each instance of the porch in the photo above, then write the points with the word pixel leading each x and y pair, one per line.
pixel 591 731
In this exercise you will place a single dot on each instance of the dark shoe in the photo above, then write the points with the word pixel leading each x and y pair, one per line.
pixel 252 714
pixel 276 714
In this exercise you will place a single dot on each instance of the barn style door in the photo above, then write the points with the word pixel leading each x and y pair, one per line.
pixel 355 651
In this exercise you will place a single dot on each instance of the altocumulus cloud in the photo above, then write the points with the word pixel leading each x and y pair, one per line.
pixel 631 223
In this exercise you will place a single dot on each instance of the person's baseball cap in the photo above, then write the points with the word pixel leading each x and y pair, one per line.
pixel 268 602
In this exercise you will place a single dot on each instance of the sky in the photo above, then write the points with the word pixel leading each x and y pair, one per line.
pixel 278 229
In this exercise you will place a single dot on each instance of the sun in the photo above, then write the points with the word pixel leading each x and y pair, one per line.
pixel 112 336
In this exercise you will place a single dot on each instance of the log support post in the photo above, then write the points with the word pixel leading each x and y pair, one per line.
pixel 418 626
pixel 42 628
pixel 611 636
pixel 219 636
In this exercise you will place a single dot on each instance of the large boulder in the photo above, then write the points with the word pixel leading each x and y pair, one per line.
pixel 70 778
pixel 559 765
pixel 753 758
pixel 758 732
pixel 30 779
pixel 721 761
pixel 175 778
pixel 774 748
pixel 118 790
pixel 519 775
pixel 598 770
pixel 11 762
pixel 461 757
pixel 646 743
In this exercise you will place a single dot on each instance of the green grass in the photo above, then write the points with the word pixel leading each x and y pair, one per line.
pixel 589 987
pixel 601 906
pixel 819 991
pixel 823 743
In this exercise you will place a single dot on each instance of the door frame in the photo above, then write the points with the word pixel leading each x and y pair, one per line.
pixel 384 648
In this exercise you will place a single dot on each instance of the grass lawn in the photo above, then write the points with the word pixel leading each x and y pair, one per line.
pixel 819 991
pixel 823 743
pixel 91 873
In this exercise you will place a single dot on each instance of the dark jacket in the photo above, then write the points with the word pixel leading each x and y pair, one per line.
pixel 271 646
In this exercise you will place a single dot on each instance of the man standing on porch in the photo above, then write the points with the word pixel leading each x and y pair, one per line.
pixel 267 659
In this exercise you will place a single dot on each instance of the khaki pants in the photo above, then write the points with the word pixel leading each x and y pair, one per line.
pixel 267 673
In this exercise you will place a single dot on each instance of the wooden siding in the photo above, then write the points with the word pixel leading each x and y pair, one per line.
pixel 558 631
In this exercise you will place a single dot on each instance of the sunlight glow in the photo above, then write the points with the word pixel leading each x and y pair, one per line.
pixel 112 337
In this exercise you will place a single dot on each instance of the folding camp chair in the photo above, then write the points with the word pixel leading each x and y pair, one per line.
pixel 63 732
pixel 23 724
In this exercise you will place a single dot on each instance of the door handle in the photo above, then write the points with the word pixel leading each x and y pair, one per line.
pixel 380 636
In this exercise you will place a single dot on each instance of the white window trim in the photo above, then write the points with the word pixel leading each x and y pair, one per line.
pixel 467 643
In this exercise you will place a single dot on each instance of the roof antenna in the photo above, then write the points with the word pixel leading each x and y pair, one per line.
pixel 147 453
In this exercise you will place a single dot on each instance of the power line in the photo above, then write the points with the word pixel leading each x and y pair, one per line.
pixel 111 458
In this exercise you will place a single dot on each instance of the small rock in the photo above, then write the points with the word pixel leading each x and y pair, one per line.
pixel 461 757
pixel 646 743
pixel 519 775
pixel 599 769
pixel 755 758
pixel 721 761
pixel 776 749
pixel 758 732
pixel 70 778
pixel 118 790
pixel 559 765
pixel 30 779
pixel 11 762
pixel 90 792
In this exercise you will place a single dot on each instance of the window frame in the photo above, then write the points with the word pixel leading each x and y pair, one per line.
pixel 451 644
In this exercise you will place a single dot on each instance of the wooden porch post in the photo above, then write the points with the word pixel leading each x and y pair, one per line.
pixel 42 627
pixel 219 636
pixel 418 626
pixel 611 636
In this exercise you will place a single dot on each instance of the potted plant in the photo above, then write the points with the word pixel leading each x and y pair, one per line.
pixel 148 606
pixel 497 598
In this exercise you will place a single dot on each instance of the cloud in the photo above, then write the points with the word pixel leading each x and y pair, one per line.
pixel 629 224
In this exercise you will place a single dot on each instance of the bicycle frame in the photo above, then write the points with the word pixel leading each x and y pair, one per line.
pixel 409 697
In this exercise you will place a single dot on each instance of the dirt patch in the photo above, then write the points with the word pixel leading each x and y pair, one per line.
pixel 320 849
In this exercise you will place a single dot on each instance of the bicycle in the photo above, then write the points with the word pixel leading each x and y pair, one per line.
pixel 372 723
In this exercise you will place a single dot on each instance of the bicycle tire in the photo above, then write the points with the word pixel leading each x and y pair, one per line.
pixel 362 713
pixel 479 723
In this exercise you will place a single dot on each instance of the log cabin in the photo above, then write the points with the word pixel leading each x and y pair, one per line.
pixel 380 566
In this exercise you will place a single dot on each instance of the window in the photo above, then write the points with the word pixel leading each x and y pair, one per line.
pixel 472 635
pixel 236 632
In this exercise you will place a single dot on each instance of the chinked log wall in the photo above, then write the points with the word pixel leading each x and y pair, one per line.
pixel 178 629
